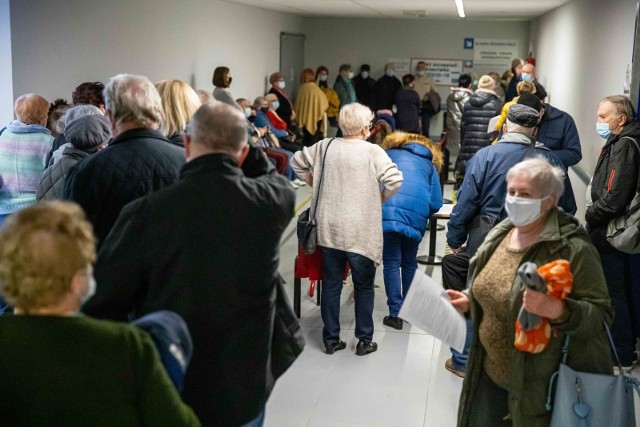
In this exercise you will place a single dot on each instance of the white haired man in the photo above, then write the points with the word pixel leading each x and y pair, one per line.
pixel 139 160
pixel 207 248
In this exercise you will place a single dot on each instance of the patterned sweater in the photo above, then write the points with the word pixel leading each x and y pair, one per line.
pixel 23 153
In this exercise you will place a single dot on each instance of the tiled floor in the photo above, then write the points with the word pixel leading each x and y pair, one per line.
pixel 403 384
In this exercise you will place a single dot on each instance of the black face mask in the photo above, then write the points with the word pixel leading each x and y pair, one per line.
pixel 264 109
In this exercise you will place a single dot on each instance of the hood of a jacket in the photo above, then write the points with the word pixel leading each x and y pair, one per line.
pixel 460 93
pixel 417 144
pixel 17 126
pixel 631 130
pixel 88 132
pixel 479 99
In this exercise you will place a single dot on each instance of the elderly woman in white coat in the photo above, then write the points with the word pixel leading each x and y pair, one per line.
pixel 357 177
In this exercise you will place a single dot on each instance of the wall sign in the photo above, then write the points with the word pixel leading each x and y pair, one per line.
pixel 495 54
pixel 468 43
pixel 445 72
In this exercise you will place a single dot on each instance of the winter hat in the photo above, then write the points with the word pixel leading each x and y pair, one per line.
pixel 486 82
pixel 80 110
pixel 87 133
pixel 172 338
pixel 523 115
pixel 276 77
pixel 530 100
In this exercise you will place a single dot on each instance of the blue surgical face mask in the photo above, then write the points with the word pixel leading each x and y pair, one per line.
pixel 276 104
pixel 603 130
pixel 281 84
pixel 247 112
pixel 526 77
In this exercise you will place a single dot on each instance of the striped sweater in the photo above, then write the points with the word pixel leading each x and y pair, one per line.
pixel 23 153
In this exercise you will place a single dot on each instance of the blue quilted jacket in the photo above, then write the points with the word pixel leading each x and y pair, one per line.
pixel 420 196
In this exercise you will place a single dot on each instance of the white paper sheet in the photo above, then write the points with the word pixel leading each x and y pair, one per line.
pixel 492 124
pixel 428 307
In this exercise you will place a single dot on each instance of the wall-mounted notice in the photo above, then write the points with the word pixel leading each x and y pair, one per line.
pixel 402 66
pixel 445 72
pixel 495 54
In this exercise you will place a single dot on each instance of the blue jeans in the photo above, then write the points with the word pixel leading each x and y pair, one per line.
pixel 616 272
pixel 398 252
pixel 459 360
pixel 363 273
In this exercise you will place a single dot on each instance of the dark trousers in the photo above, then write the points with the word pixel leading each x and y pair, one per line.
pixel 615 265
pixel 398 252
pixel 363 273
pixel 309 139
pixel 490 404
pixel 455 268
pixel 426 119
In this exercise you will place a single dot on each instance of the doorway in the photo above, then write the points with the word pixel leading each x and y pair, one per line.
pixel 292 61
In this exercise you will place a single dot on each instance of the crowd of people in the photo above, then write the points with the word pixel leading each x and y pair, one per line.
pixel 141 185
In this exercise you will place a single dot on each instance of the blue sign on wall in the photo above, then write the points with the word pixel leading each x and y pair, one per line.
pixel 468 43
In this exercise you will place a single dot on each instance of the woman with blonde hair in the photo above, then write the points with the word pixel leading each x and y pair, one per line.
pixel 311 105
pixel 522 87
pixel 179 102
pixel 60 367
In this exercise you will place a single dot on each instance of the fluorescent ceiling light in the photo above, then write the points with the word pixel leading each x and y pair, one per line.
pixel 460 8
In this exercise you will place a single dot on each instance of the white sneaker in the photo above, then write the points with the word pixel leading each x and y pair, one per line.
pixel 299 182
pixel 294 185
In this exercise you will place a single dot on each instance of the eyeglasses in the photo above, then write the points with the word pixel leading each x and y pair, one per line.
pixel 370 126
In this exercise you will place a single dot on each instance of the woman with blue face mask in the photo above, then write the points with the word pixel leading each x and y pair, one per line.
pixel 504 386
pixel 613 187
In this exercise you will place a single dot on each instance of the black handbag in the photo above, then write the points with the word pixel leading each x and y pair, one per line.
pixel 307 225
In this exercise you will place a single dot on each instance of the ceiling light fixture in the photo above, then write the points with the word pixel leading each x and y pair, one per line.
pixel 460 8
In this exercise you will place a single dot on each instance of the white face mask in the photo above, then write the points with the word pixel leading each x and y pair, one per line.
pixel 247 112
pixel 365 74
pixel 91 288
pixel 281 84
pixel 350 75
pixel 323 77
pixel 523 211
pixel 421 73
pixel 390 72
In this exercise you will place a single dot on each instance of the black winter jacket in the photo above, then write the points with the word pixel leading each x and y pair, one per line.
pixel 478 112
pixel 208 249
pixel 384 92
pixel 137 162
pixel 408 110
pixel 614 183
pixel 52 182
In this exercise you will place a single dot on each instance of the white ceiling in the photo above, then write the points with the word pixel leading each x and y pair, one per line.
pixel 439 9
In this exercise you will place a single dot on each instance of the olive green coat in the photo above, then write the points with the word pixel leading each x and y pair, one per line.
pixel 588 306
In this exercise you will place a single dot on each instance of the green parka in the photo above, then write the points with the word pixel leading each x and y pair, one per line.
pixel 588 306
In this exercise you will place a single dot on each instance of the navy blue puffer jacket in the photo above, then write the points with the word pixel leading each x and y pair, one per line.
pixel 478 112
pixel 420 196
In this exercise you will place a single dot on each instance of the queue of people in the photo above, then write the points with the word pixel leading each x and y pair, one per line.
pixel 154 180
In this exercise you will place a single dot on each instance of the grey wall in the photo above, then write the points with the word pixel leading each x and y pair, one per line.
pixel 6 85
pixel 332 42
pixel 582 50
pixel 57 45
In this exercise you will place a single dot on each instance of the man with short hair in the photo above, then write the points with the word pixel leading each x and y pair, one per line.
pixel 138 160
pixel 385 89
pixel 424 84
pixel 529 75
pixel 480 199
pixel 208 249
pixel 364 84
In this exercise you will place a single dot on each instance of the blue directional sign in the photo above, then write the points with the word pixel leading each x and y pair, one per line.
pixel 468 43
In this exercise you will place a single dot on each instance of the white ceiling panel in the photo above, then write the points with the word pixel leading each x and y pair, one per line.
pixel 434 9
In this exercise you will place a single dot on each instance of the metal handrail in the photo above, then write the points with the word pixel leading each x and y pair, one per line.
pixel 582 174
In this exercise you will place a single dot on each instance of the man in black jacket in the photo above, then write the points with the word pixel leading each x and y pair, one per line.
pixel 207 248
pixel 138 161
pixel 613 187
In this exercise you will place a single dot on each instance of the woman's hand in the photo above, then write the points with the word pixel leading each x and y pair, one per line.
pixel 542 304
pixel 459 300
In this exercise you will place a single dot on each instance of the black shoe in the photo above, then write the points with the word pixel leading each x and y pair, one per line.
pixel 393 321
pixel 363 349
pixel 333 347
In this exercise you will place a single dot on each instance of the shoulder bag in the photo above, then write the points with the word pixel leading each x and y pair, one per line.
pixel 307 225
pixel 623 232
pixel 585 399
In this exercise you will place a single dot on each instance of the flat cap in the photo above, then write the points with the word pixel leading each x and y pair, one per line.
pixel 523 115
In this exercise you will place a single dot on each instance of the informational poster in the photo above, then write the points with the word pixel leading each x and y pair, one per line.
pixel 402 66
pixel 495 54
pixel 445 72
